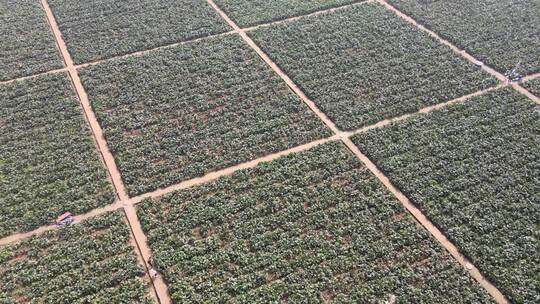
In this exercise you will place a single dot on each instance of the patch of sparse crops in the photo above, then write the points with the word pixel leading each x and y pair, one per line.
pixel 363 64
pixel 474 169
pixel 252 12
pixel 181 112
pixel 48 162
pixel 533 86
pixel 27 44
pixel 90 262
pixel 310 227
pixel 99 29
pixel 499 33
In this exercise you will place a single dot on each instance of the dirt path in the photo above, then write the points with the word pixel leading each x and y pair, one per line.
pixel 34 76
pixel 459 51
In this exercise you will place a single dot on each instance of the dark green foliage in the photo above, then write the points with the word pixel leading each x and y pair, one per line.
pixel 90 262
pixel 251 12
pixel 474 169
pixel 500 33
pixel 305 228
pixel 363 64
pixel 98 29
pixel 533 86
pixel 27 44
pixel 48 162
pixel 181 112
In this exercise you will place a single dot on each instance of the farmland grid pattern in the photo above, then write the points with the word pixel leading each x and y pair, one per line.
pixel 128 203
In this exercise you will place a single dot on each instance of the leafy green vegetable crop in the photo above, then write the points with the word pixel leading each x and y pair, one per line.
pixel 181 112
pixel 500 33
pixel 251 12
pixel 99 29
pixel 48 162
pixel 363 64
pixel 308 227
pixel 474 169
pixel 27 45
pixel 533 86
pixel 90 262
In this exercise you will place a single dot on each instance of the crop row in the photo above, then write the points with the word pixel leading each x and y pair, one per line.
pixel 28 45
pixel 474 169
pixel 363 64
pixel 503 34
pixel 90 262
pixel 310 227
pixel 181 112
pixel 252 12
pixel 48 162
pixel 98 29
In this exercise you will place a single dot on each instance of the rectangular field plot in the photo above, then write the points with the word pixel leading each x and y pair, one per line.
pixel 98 29
pixel 252 12
pixel 502 34
pixel 474 169
pixel 310 227
pixel 533 86
pixel 48 162
pixel 27 44
pixel 90 262
pixel 363 64
pixel 181 112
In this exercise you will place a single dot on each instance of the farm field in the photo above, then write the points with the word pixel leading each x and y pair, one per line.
pixel 253 12
pixel 91 262
pixel 503 34
pixel 28 46
pixel 48 162
pixel 182 112
pixel 288 231
pixel 235 151
pixel 474 169
pixel 98 29
pixel 351 63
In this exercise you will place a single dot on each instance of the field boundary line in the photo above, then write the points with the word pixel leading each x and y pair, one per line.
pixel 428 225
pixel 138 238
pixel 92 121
pixel 315 13
pixel 211 176
pixel 170 45
pixel 345 138
pixel 460 51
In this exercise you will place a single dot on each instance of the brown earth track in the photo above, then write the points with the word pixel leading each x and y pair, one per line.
pixel 417 214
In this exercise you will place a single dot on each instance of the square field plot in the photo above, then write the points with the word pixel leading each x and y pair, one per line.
pixel 90 262
pixel 181 112
pixel 99 29
pixel 307 228
pixel 533 86
pixel 363 64
pixel 474 169
pixel 27 44
pixel 252 12
pixel 48 162
pixel 503 34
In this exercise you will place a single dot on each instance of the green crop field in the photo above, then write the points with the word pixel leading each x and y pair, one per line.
pixel 269 151
pixel 91 262
pixel 97 29
pixel 27 45
pixel 503 34
pixel 48 162
pixel 181 112
pixel 253 12
pixel 364 64
pixel 475 170
pixel 311 227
